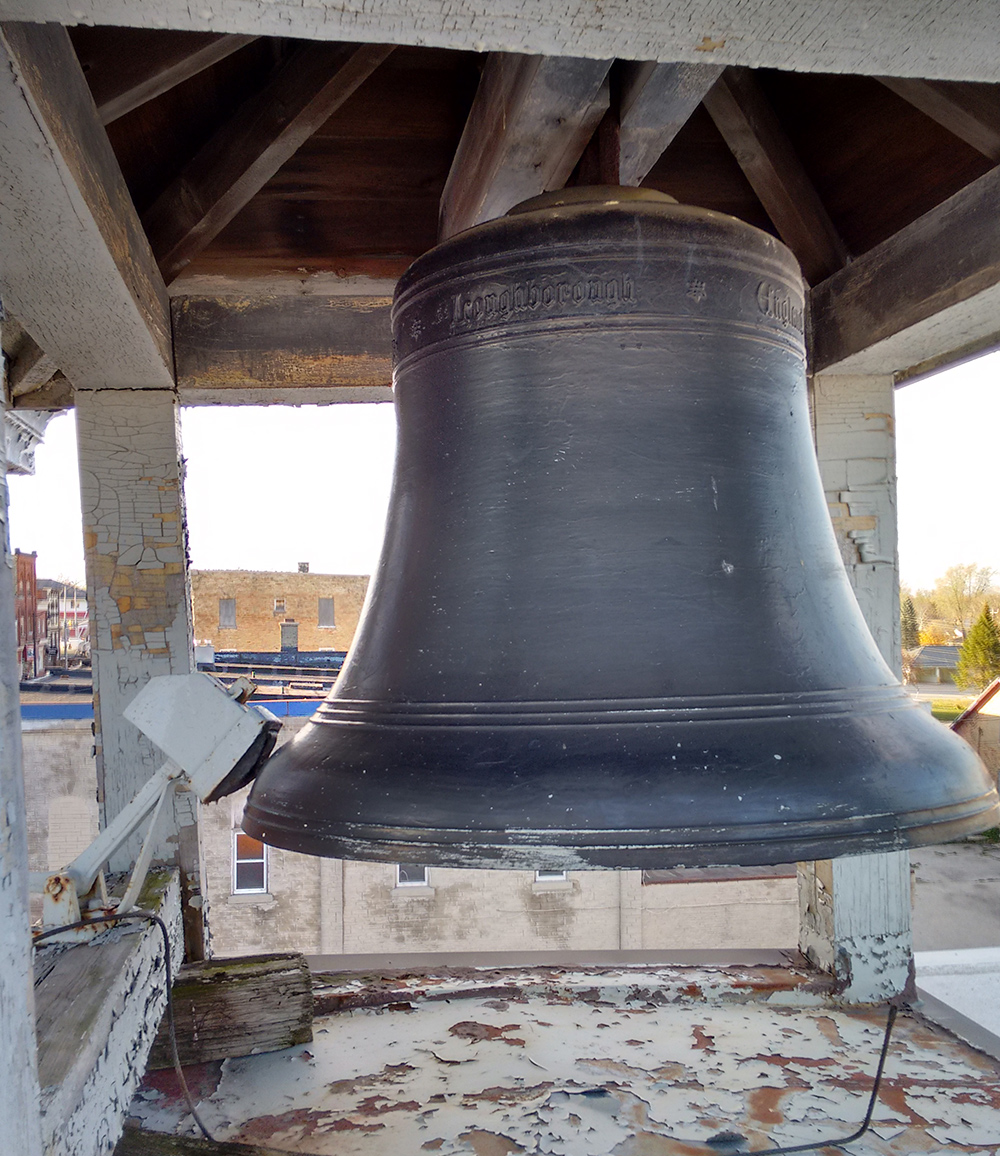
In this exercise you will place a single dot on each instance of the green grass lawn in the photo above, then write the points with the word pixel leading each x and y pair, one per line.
pixel 948 709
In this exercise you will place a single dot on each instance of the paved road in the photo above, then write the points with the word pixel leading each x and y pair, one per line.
pixel 956 896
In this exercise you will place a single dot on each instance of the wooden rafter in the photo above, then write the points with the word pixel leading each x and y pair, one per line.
pixel 529 124
pixel 77 270
pixel 126 69
pixel 968 111
pixel 30 369
pixel 246 152
pixel 921 298
pixel 756 139
pixel 657 100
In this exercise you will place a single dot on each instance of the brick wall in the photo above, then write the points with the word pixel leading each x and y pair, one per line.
pixel 258 621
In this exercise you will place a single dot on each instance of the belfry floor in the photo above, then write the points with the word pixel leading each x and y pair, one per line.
pixel 635 1061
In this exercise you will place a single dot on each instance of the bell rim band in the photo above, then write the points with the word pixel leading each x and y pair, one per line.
pixel 614 712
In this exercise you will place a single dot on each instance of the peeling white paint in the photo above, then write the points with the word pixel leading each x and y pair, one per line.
pixel 18 1068
pixel 639 1062
pixel 84 1116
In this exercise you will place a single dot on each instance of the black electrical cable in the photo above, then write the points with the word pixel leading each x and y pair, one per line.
pixel 866 1124
pixel 172 1031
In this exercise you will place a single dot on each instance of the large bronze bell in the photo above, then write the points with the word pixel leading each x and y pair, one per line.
pixel 610 626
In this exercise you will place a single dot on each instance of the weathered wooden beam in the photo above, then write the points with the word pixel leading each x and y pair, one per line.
pixel 124 74
pixel 30 369
pixel 224 1008
pixel 657 101
pixel 56 394
pixel 530 121
pixel 968 111
pixel 77 270
pixel 243 155
pixel 927 295
pixel 756 139
pixel 269 348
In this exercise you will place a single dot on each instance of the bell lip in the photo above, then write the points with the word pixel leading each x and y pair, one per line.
pixel 653 849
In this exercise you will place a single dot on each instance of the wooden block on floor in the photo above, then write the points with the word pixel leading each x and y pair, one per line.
pixel 238 1007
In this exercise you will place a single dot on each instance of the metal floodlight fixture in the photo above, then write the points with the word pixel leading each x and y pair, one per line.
pixel 214 742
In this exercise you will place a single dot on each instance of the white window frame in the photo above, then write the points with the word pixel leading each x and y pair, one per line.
pixel 332 624
pixel 226 625
pixel 550 876
pixel 425 882
pixel 237 890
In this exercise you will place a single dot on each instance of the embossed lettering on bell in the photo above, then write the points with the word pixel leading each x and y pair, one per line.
pixel 611 626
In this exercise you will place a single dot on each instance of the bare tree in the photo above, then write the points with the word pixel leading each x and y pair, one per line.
pixel 961 591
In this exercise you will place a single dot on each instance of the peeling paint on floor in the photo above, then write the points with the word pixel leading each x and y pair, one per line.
pixel 634 1062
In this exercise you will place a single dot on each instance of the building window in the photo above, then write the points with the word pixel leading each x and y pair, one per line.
pixel 289 636
pixel 411 875
pixel 279 606
pixel 249 864
pixel 326 613
pixel 227 613
pixel 550 876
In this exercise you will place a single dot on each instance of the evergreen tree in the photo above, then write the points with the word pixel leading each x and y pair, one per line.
pixel 979 657
pixel 908 622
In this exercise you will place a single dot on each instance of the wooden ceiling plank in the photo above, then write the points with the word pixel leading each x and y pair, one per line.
pixel 928 295
pixel 119 91
pixel 964 110
pixel 657 101
pixel 77 270
pixel 530 121
pixel 763 151
pixel 247 151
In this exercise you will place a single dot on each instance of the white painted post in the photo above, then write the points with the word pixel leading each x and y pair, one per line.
pixel 19 1101
pixel 139 597
pixel 854 912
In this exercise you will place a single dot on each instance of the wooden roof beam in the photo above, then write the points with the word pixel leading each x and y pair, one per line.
pixel 247 151
pixel 657 101
pixel 530 121
pixel 76 269
pixel 763 151
pixel 126 78
pixel 925 297
pixel 267 347
pixel 968 111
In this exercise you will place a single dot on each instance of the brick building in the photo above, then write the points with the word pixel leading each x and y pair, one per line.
pixel 30 619
pixel 253 610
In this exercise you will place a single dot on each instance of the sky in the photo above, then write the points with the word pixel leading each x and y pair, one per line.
pixel 269 487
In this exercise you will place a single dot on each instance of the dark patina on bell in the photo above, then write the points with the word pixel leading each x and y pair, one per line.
pixel 610 626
